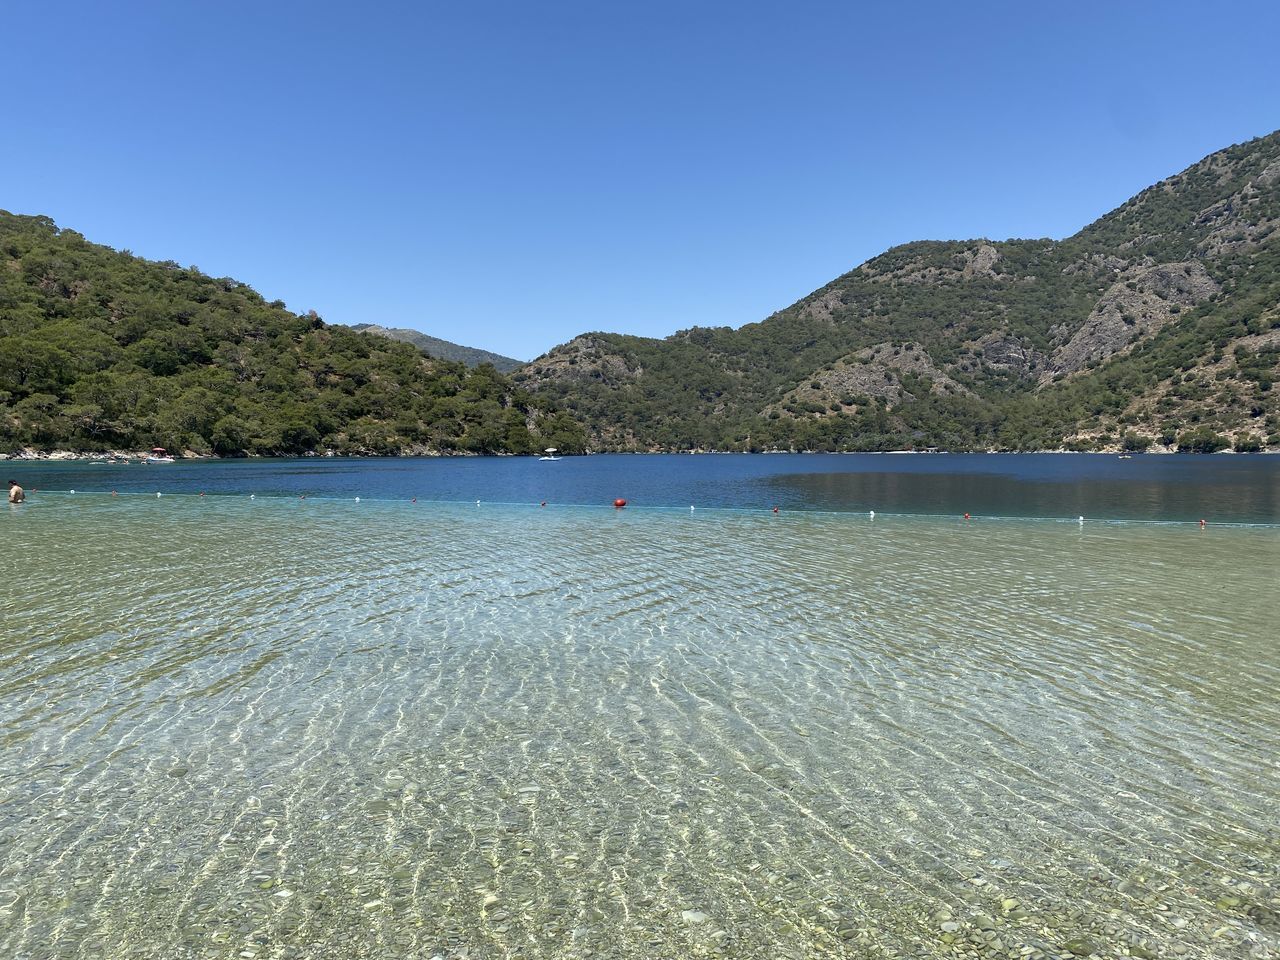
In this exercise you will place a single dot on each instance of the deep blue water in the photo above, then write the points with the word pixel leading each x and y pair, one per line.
pixel 1239 489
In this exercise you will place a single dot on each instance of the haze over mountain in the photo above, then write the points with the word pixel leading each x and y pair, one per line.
pixel 1156 325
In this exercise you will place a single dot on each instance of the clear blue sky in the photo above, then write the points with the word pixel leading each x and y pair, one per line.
pixel 510 174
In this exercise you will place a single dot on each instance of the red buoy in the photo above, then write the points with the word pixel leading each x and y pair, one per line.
pixel 966 516
pixel 619 503
pixel 775 509
pixel 1202 523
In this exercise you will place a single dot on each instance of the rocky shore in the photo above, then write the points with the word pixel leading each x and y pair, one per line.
pixel 28 453
pixel 127 456
pixel 134 456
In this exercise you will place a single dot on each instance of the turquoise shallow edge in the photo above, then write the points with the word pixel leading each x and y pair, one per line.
pixel 649 508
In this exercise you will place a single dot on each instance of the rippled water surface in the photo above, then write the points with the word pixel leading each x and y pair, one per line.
pixel 1223 488
pixel 283 728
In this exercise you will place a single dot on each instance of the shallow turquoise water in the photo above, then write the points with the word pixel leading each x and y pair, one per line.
pixel 282 728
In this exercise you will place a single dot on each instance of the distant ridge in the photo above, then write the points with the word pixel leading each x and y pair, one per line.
pixel 442 349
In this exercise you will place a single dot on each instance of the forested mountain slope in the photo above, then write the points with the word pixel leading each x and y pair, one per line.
pixel 100 350
pixel 1159 323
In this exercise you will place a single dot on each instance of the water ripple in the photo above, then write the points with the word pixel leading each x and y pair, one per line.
pixel 278 729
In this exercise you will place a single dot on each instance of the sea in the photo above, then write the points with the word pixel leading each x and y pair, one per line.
pixel 777 706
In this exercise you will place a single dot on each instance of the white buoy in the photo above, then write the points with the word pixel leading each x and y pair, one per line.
pixel 690 506
pixel 873 514
pixel 477 503
pixel 253 496
pixel 157 494
pixel 73 491
pixel 1079 519
pixel 357 499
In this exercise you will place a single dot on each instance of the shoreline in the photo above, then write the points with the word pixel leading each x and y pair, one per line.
pixel 122 457
pixel 466 507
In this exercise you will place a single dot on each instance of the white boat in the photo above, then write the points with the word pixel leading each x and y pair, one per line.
pixel 159 455
pixel 549 454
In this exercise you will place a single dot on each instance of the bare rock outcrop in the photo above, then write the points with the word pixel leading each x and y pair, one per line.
pixel 1096 265
pixel 1240 222
pixel 1004 352
pixel 980 262
pixel 871 372
pixel 587 357
pixel 1132 309
pixel 824 306
pixel 967 264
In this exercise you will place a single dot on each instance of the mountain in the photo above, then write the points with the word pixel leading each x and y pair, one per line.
pixel 100 350
pixel 1156 326
pixel 443 349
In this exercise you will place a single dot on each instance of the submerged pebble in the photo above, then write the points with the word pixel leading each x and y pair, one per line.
pixel 617 741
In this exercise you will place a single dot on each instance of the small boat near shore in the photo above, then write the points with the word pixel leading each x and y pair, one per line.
pixel 159 455
pixel 550 454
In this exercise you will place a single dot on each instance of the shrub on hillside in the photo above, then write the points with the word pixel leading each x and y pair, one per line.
pixel 1201 440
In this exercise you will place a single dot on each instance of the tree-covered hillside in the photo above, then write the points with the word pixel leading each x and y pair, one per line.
pixel 102 350
pixel 1158 324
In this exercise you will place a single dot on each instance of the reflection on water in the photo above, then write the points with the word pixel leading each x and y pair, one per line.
pixel 297 729
pixel 1120 494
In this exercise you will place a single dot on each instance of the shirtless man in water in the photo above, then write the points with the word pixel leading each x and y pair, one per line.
pixel 16 493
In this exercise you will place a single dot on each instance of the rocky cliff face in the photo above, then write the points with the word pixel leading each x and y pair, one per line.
pixel 877 373
pixel 1143 301
pixel 587 358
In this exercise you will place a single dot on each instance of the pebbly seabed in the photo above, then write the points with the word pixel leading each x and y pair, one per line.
pixel 282 728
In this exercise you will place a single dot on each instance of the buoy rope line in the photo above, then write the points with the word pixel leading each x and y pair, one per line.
pixel 617 505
